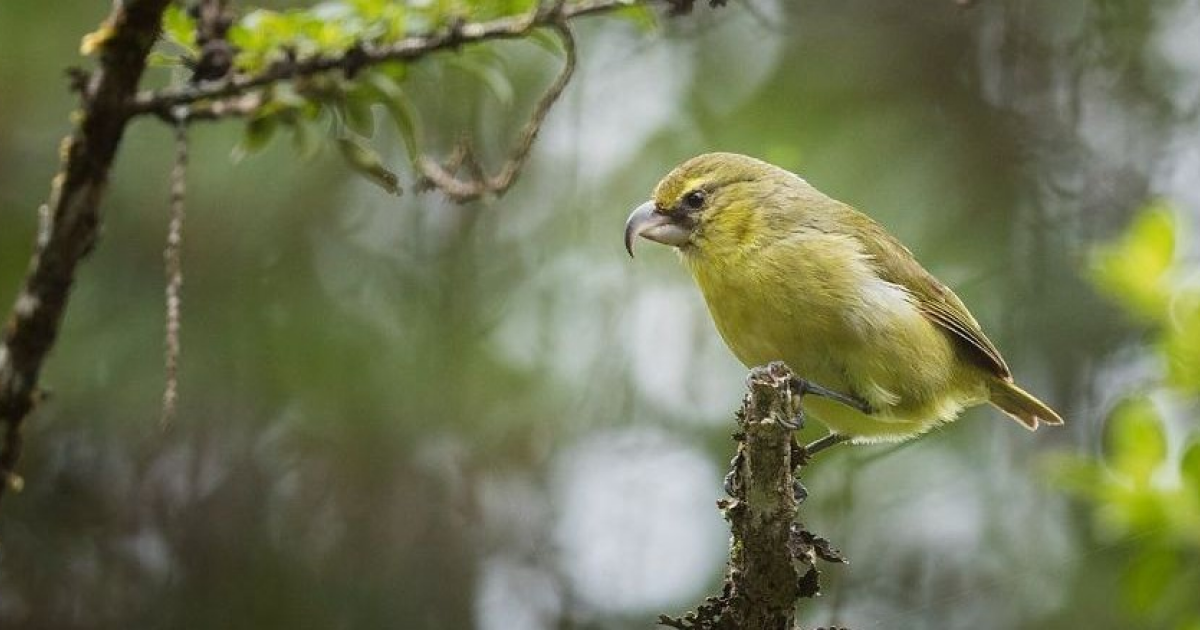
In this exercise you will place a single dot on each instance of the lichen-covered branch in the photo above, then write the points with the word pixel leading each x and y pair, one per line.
pixel 161 102
pixel 772 558
pixel 173 262
pixel 70 220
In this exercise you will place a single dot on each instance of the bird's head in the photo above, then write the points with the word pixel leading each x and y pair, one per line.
pixel 711 201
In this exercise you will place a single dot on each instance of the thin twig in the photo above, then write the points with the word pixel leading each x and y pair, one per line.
pixel 512 167
pixel 479 184
pixel 173 263
pixel 239 106
pixel 160 102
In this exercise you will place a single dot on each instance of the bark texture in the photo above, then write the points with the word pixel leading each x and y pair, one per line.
pixel 70 221
pixel 772 558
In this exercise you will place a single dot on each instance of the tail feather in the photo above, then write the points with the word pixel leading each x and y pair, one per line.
pixel 1021 406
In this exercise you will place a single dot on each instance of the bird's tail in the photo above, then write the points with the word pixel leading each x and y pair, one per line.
pixel 1020 405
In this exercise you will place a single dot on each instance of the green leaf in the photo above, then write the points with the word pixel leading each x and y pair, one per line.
pixel 1134 269
pixel 179 27
pixel 253 45
pixel 285 96
pixel 482 10
pixel 399 107
pixel 492 78
pixel 259 131
pixel 547 40
pixel 357 114
pixel 305 137
pixel 384 19
pixel 158 59
pixel 396 71
pixel 367 162
pixel 326 31
pixel 640 15
pixel 1136 440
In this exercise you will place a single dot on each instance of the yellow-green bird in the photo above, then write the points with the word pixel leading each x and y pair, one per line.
pixel 793 275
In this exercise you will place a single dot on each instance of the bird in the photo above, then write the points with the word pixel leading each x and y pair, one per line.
pixel 790 274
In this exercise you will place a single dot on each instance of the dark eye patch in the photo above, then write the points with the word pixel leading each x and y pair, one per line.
pixel 693 200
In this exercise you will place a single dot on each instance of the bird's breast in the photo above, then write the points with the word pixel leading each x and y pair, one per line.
pixel 795 303
pixel 818 304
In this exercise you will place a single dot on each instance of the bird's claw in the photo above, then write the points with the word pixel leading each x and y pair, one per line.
pixel 796 422
pixel 799 492
pixel 802 386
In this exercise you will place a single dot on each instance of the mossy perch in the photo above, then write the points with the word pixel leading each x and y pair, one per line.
pixel 772 559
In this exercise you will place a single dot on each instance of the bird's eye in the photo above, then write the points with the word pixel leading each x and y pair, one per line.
pixel 694 200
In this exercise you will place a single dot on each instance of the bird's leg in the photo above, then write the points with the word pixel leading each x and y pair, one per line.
pixel 799 492
pixel 802 454
pixel 801 386
pixel 820 444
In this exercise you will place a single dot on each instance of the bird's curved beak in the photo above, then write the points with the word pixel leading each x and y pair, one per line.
pixel 656 226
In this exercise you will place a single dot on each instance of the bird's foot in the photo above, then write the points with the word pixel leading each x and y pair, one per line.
pixel 802 387
pixel 820 444
pixel 799 492
pixel 796 422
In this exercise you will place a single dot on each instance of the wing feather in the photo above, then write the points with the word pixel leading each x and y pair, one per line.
pixel 896 264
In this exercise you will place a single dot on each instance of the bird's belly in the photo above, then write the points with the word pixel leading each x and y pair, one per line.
pixel 760 335
pixel 883 352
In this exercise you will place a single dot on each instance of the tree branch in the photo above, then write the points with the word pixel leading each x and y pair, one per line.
pixel 160 102
pixel 772 558
pixel 70 220
pixel 478 184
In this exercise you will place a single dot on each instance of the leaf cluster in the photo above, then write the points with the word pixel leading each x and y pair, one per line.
pixel 1142 272
pixel 1142 492
pixel 341 105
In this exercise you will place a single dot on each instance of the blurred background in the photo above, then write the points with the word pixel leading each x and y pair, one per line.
pixel 397 412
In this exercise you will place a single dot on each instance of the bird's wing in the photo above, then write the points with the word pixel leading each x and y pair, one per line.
pixel 896 264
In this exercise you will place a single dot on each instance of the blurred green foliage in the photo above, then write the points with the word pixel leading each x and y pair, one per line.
pixel 1135 270
pixel 1145 274
pixel 1144 492
pixel 339 105
pixel 400 411
pixel 263 36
